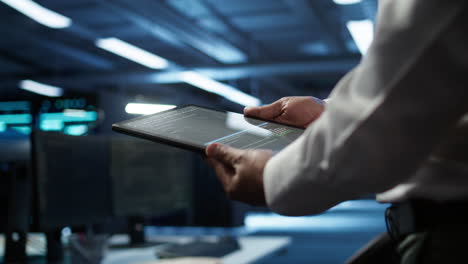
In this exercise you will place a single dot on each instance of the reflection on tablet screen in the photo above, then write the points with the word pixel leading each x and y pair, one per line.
pixel 200 127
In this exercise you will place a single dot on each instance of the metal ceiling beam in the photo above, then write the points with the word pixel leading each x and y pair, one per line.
pixel 255 51
pixel 155 30
pixel 311 69
pixel 183 29
pixel 305 10
pixel 57 44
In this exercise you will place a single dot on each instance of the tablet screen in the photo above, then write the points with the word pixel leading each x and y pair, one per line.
pixel 197 127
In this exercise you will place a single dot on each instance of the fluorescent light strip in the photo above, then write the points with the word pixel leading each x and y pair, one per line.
pixel 362 32
pixel 347 2
pixel 212 86
pixel 40 88
pixel 132 53
pixel 39 13
pixel 146 109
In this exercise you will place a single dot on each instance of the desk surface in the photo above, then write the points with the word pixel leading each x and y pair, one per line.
pixel 252 249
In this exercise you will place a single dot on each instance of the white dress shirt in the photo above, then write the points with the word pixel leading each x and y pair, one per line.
pixel 394 125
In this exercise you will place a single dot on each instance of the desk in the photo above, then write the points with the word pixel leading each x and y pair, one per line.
pixel 252 249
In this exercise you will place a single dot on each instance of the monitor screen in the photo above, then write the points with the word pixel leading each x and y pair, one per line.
pixel 72 179
pixel 15 116
pixel 149 179
pixel 71 115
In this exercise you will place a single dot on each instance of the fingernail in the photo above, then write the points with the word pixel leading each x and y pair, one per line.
pixel 248 108
pixel 214 147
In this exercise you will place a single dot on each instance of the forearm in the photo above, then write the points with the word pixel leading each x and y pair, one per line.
pixel 385 120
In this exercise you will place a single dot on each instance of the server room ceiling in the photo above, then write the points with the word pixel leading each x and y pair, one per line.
pixel 268 48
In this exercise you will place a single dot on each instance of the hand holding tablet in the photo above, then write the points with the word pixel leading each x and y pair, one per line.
pixel 194 128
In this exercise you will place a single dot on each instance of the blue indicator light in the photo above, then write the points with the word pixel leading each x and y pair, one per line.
pixel 16 119
pixel 70 117
pixel 51 125
pixel 76 130
pixel 23 129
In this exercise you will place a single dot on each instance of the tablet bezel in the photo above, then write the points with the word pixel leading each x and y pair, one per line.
pixel 121 128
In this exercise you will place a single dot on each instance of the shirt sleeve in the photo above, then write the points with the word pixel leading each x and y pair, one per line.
pixel 385 117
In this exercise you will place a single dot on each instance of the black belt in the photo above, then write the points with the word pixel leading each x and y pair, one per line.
pixel 421 215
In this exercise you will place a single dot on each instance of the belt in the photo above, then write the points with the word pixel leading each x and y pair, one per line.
pixel 417 216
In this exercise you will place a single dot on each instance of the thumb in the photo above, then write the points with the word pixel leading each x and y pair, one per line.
pixel 268 112
pixel 223 153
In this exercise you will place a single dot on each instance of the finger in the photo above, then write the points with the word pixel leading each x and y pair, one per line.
pixel 223 153
pixel 223 172
pixel 268 112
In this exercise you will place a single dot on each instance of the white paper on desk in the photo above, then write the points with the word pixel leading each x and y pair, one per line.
pixel 184 261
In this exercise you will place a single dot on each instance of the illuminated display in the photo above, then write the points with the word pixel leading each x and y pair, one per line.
pixel 71 116
pixel 62 104
pixel 68 121
pixel 68 115
pixel 23 129
pixel 76 130
pixel 15 116
pixel 16 119
pixel 51 125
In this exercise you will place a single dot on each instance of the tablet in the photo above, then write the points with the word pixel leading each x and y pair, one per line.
pixel 194 128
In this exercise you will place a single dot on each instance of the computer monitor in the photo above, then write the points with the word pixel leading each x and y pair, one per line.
pixel 148 180
pixel 15 192
pixel 72 180
pixel 14 147
pixel 15 116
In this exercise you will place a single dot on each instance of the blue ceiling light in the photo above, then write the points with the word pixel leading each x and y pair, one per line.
pixel 146 109
pixel 212 86
pixel 347 2
pixel 39 13
pixel 133 53
pixel 40 88
pixel 315 48
pixel 362 32
pixel 227 54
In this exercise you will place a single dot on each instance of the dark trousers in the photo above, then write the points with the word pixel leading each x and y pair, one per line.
pixel 446 244
pixel 440 245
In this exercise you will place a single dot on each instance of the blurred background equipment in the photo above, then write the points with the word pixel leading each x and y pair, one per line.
pixel 148 179
pixel 73 187
pixel 70 69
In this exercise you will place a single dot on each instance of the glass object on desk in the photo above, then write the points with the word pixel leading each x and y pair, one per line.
pixel 201 248
pixel 87 249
